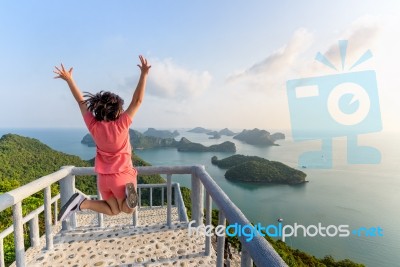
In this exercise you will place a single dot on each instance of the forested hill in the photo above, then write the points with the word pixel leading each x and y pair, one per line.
pixel 25 159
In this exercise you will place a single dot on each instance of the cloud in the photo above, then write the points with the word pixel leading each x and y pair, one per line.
pixel 169 80
pixel 362 35
pixel 271 71
pixel 287 62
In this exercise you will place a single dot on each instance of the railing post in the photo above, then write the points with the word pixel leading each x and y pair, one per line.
pixel 67 189
pixel 162 196
pixel 169 208
pixel 18 235
pixel 100 216
pixel 135 217
pixel 2 264
pixel 220 239
pixel 208 222
pixel 34 231
pixel 47 218
pixel 197 200
pixel 151 197
pixel 140 197
pixel 176 196
pixel 180 204
pixel 55 211
pixel 245 259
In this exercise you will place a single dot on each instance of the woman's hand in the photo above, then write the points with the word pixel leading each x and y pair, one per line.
pixel 144 67
pixel 76 92
pixel 63 73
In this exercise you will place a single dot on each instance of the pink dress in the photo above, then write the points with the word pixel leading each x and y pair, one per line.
pixel 113 162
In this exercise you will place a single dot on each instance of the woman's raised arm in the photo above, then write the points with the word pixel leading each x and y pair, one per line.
pixel 62 73
pixel 138 95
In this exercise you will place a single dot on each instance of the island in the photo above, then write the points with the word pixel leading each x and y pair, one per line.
pixel 199 130
pixel 185 145
pixel 215 135
pixel 278 136
pixel 258 170
pixel 138 141
pixel 259 137
pixel 161 133
pixel 226 132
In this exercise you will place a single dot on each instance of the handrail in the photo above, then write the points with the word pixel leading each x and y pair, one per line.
pixel 28 217
pixel 145 170
pixel 260 250
pixel 17 195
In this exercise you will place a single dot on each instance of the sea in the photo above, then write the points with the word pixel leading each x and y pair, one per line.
pixel 364 197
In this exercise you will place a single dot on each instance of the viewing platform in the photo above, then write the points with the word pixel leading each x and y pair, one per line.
pixel 152 236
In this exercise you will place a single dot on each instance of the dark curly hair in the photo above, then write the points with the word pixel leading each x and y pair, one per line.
pixel 105 106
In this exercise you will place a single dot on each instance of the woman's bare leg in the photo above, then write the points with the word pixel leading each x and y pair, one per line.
pixel 124 207
pixel 109 206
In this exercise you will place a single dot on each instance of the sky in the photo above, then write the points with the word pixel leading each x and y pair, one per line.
pixel 215 64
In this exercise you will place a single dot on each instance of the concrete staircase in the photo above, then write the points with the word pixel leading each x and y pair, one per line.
pixel 151 243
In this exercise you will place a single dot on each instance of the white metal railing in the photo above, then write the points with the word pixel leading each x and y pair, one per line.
pixel 178 201
pixel 14 199
pixel 258 249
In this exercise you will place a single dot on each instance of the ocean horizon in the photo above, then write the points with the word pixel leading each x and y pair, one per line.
pixel 347 194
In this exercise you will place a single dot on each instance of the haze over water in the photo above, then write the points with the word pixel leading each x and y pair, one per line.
pixel 356 195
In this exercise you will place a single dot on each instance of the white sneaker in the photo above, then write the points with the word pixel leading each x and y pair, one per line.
pixel 131 195
pixel 72 205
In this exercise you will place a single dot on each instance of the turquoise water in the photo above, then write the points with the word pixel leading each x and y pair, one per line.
pixel 355 195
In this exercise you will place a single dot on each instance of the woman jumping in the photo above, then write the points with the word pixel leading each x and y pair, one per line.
pixel 108 123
